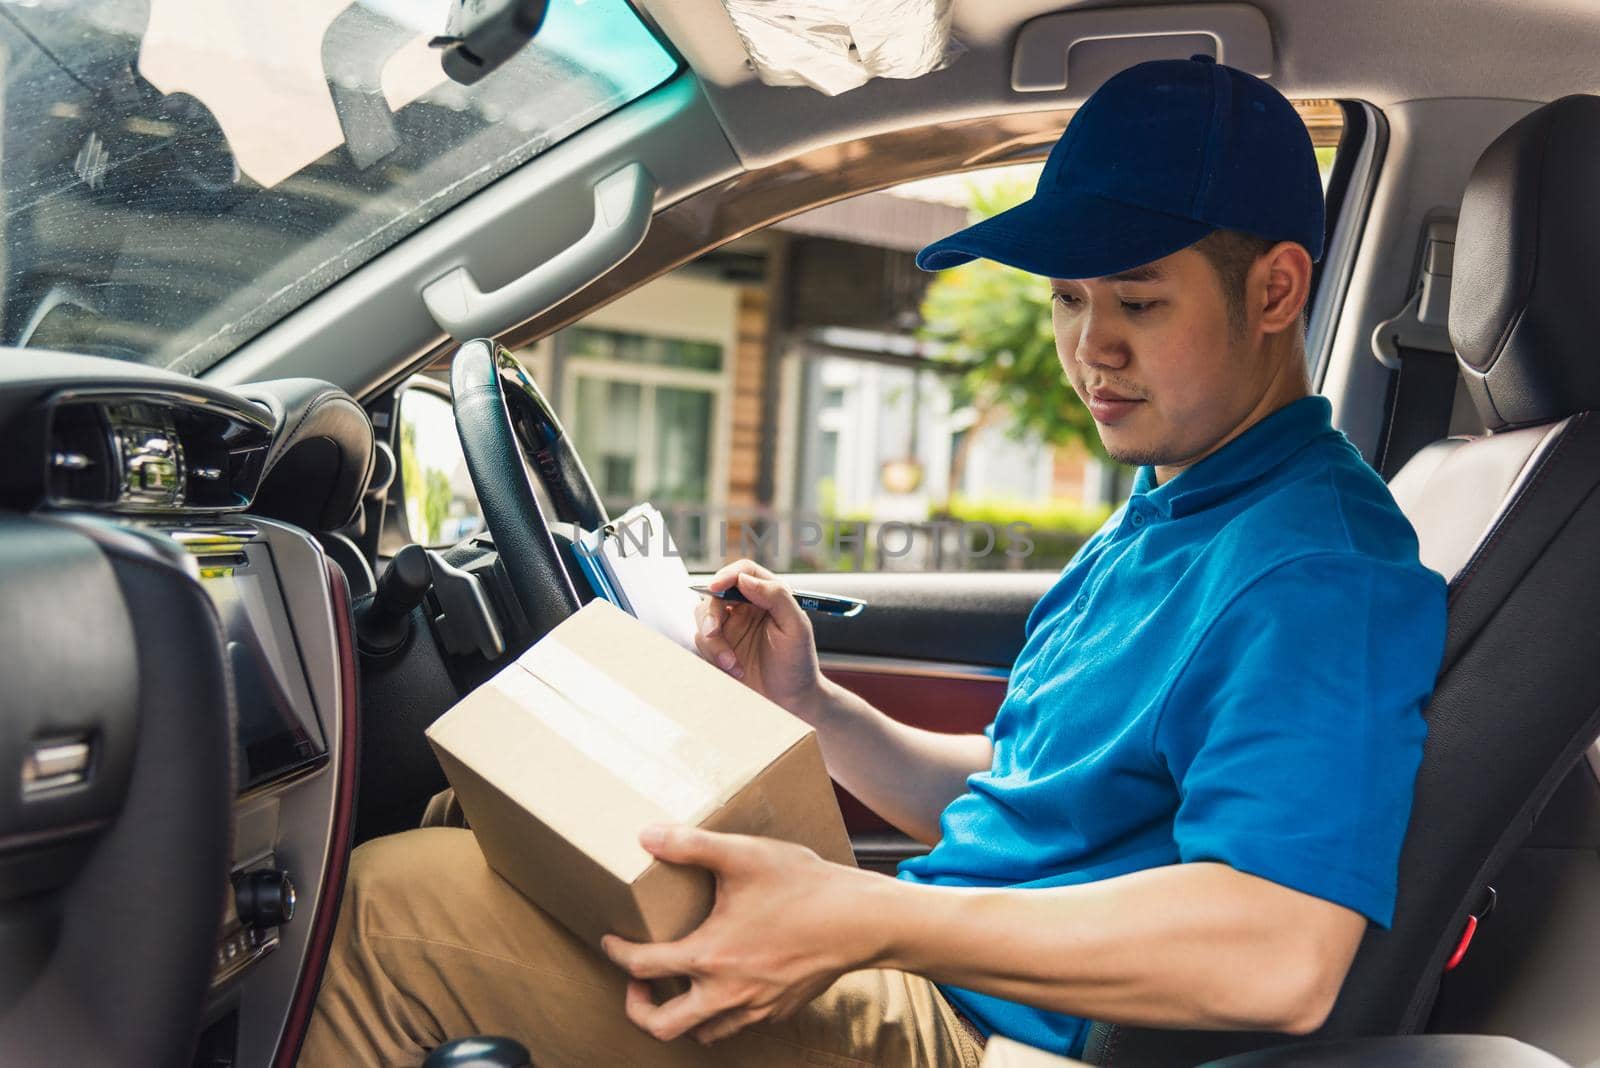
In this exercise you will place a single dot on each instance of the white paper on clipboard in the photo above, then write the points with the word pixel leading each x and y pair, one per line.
pixel 647 577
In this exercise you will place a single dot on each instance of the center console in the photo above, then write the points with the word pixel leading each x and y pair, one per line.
pixel 270 585
pixel 279 732
pixel 284 616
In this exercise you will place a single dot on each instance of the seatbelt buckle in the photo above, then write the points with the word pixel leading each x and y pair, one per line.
pixel 1471 928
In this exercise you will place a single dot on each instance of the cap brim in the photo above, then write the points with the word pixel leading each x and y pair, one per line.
pixel 1067 235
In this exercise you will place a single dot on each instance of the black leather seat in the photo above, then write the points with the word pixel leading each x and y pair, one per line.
pixel 1512 519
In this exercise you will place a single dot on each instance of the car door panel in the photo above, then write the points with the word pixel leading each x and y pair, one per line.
pixel 932 650
pixel 950 698
pixel 968 617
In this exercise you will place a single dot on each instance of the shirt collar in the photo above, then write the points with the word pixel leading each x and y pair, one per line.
pixel 1260 448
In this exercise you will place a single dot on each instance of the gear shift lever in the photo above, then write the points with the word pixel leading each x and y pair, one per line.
pixel 480 1051
pixel 384 622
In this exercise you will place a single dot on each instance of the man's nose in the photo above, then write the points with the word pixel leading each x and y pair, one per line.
pixel 1100 343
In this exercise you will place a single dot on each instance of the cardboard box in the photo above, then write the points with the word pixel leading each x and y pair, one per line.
pixel 1001 1052
pixel 602 728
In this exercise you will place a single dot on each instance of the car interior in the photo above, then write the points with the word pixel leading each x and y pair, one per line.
pixel 236 245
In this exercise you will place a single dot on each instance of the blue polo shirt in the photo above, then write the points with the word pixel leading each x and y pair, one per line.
pixel 1231 669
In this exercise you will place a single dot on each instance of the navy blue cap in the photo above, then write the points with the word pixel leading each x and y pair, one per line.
pixel 1159 156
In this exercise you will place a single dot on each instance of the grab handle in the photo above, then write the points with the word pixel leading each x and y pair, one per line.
pixel 623 203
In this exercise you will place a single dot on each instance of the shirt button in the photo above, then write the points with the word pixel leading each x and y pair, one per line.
pixel 1138 519
pixel 1081 603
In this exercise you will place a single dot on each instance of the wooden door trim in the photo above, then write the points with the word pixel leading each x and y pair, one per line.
pixel 932 669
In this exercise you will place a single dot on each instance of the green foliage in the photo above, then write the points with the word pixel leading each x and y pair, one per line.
pixel 996 321
pixel 1325 155
pixel 435 503
pixel 411 479
pixel 408 448
pixel 827 495
pixel 424 484
pixel 1067 517
pixel 1052 531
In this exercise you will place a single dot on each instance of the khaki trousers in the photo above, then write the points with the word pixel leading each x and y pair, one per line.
pixel 433 945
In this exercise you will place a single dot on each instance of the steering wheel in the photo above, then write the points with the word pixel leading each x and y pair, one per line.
pixel 509 433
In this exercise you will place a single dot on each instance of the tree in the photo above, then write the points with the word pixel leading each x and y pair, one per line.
pixel 995 321
pixel 435 503
pixel 426 488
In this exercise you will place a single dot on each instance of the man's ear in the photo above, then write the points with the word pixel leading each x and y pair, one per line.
pixel 1279 285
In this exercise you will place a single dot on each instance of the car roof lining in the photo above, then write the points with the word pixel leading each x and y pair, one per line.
pixel 1542 49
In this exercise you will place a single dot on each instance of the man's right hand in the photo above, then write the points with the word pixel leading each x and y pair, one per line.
pixel 905 774
pixel 767 644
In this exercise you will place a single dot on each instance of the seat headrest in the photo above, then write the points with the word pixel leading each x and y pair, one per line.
pixel 1524 310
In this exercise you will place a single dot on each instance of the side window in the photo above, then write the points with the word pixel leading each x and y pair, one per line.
pixel 805 395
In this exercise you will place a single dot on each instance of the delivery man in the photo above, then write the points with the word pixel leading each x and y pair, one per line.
pixel 1190 804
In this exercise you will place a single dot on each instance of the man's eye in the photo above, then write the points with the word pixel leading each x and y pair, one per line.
pixel 1137 306
pixel 1066 300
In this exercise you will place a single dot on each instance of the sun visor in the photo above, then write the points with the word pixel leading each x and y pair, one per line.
pixel 834 46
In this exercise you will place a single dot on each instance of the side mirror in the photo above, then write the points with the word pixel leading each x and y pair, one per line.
pixel 441 507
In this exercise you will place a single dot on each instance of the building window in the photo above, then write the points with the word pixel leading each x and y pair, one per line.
pixel 585 342
pixel 644 410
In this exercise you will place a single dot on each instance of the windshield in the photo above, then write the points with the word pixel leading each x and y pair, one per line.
pixel 177 175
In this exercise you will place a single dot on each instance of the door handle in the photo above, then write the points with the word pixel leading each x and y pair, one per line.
pixel 623 203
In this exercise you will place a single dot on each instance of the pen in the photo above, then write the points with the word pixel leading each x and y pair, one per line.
pixel 828 604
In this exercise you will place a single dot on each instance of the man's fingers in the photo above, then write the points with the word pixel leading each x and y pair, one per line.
pixel 646 960
pixel 773 597
pixel 680 844
pixel 765 594
pixel 712 644
pixel 710 614
pixel 729 573
pixel 709 635
pixel 719 652
pixel 670 1019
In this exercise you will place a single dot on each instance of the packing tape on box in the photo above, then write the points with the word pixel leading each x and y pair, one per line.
pixel 615 728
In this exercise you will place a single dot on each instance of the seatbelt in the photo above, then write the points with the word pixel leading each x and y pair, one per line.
pixel 1416 348
pixel 1421 395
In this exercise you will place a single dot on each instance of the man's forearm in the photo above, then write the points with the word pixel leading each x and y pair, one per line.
pixel 904 774
pixel 1191 945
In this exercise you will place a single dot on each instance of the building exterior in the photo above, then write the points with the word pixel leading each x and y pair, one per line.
pixel 779 379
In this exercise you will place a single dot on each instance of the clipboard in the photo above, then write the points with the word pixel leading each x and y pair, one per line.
pixel 587 545
pixel 634 563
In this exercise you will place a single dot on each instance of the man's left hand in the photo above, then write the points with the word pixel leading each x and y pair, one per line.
pixel 785 925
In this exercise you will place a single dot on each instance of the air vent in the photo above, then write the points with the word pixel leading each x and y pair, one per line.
pixel 79 466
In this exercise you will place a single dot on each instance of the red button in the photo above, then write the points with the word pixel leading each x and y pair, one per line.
pixel 1461 947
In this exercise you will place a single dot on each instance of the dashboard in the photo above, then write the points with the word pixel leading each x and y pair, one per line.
pixel 173 474
pixel 167 453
